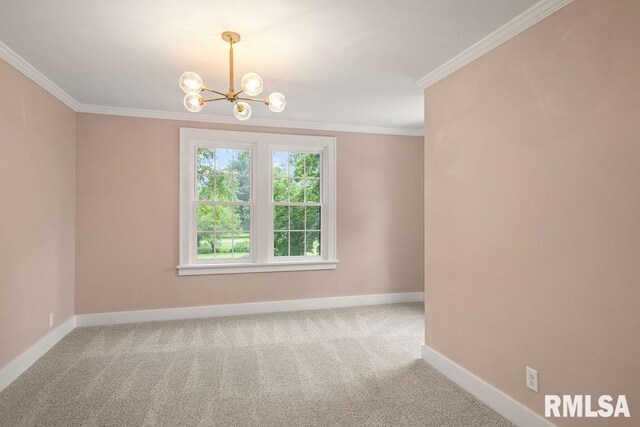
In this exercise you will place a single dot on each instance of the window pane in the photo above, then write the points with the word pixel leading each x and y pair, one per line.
pixel 242 219
pixel 205 161
pixel 204 246
pixel 223 158
pixel 205 218
pixel 205 187
pixel 280 163
pixel 313 218
pixel 243 189
pixel 296 180
pixel 240 163
pixel 241 245
pixel 210 160
pixel 281 189
pixel 296 177
pixel 296 190
pixel 296 243
pixel 223 232
pixel 222 245
pixel 223 174
pixel 281 218
pixel 312 245
pixel 223 218
pixel 239 169
pixel 222 187
pixel 216 218
pixel 297 217
pixel 281 243
pixel 296 164
pixel 312 165
pixel 226 186
pixel 312 190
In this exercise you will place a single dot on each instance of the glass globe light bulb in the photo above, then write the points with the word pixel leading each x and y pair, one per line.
pixel 276 102
pixel 194 102
pixel 251 84
pixel 242 111
pixel 190 82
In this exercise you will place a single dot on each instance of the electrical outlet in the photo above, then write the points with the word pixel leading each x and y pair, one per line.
pixel 532 379
pixel 50 320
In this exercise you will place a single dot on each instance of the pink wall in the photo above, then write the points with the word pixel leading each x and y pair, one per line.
pixel 532 171
pixel 127 221
pixel 37 181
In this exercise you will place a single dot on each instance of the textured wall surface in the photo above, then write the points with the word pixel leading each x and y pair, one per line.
pixel 127 221
pixel 532 167
pixel 37 188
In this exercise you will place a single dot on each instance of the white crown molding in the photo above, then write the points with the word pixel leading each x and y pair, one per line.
pixel 21 363
pixel 20 64
pixel 30 71
pixel 209 118
pixel 534 14
pixel 503 404
pixel 121 317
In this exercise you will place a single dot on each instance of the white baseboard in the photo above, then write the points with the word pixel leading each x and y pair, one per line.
pixel 120 317
pixel 21 363
pixel 506 406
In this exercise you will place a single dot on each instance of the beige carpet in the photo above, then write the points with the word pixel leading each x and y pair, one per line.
pixel 353 366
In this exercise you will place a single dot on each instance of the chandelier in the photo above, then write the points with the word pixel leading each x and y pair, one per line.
pixel 251 84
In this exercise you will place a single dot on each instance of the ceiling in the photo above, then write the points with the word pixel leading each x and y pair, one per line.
pixel 351 62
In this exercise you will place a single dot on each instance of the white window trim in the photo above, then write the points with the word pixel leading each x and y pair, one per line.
pixel 262 145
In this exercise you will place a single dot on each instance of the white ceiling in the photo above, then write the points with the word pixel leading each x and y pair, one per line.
pixel 352 62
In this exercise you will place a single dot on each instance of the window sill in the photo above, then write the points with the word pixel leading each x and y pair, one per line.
pixel 236 268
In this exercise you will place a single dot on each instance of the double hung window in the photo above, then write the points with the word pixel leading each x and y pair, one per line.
pixel 256 202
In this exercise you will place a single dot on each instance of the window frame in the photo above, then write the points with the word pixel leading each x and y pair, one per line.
pixel 196 203
pixel 262 146
pixel 272 203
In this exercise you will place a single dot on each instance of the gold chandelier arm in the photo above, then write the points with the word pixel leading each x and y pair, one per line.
pixel 214 91
pixel 254 99
pixel 214 99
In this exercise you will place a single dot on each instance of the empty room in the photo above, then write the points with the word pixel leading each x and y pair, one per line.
pixel 320 213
